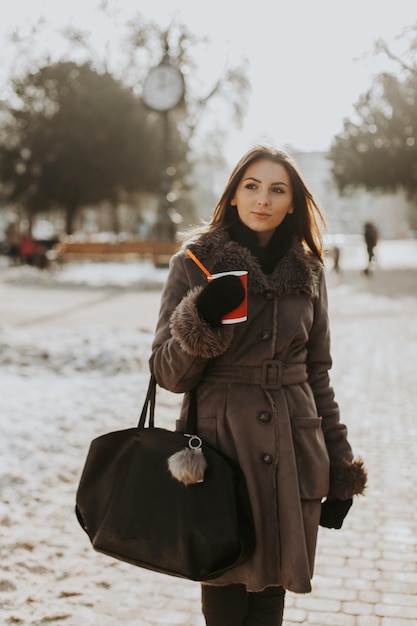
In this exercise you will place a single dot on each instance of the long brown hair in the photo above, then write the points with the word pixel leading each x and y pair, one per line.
pixel 307 216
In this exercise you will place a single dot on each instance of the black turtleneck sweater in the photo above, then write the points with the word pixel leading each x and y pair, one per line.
pixel 269 255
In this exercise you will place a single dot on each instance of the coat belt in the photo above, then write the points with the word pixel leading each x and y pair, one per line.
pixel 271 375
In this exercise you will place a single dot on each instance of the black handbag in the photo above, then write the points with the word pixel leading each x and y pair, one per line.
pixel 134 509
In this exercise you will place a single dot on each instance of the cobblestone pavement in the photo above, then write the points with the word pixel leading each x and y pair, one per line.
pixel 366 573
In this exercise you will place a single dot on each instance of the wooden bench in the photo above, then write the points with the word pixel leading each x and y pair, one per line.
pixel 157 251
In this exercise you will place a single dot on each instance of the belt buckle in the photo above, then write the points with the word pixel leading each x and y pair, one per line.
pixel 271 374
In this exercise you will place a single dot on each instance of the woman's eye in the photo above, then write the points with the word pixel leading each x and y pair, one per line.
pixel 277 190
pixel 250 186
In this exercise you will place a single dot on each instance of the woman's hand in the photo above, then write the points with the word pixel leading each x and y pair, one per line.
pixel 333 512
pixel 219 297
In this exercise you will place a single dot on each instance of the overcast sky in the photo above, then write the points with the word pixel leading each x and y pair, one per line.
pixel 307 60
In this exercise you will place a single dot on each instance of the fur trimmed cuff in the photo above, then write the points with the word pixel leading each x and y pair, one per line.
pixel 347 479
pixel 195 336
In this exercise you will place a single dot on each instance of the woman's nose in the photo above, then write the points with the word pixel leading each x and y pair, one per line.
pixel 263 199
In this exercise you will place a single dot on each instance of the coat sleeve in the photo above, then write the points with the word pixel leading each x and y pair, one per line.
pixel 184 342
pixel 347 475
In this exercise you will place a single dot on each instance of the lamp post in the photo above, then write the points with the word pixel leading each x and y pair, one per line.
pixel 163 90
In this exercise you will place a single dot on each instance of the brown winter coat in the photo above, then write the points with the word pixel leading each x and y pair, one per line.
pixel 263 398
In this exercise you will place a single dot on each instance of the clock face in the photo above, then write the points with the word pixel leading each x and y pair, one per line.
pixel 163 88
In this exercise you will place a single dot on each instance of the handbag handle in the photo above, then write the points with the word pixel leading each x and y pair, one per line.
pixel 149 402
pixel 150 399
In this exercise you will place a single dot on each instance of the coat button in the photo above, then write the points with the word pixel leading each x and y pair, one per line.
pixel 264 417
pixel 269 295
pixel 267 459
pixel 265 335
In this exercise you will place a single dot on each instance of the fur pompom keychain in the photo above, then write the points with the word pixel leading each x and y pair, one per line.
pixel 188 465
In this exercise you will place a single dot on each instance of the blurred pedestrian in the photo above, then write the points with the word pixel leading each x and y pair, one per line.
pixel 371 236
pixel 12 241
pixel 27 248
pixel 336 259
pixel 32 252
pixel 263 390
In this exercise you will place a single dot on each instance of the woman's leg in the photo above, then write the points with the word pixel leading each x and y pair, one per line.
pixel 224 606
pixel 266 608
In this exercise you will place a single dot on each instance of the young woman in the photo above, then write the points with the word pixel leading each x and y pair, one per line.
pixel 263 390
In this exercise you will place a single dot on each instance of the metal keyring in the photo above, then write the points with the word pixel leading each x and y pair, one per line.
pixel 195 442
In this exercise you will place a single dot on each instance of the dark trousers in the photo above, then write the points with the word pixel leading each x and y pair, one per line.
pixel 232 605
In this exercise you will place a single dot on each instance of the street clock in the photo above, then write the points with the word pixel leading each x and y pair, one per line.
pixel 164 87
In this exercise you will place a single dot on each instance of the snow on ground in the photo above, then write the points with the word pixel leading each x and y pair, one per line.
pixel 59 389
pixel 143 275
pixel 66 352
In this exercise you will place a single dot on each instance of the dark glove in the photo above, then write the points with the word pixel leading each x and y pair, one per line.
pixel 333 512
pixel 219 297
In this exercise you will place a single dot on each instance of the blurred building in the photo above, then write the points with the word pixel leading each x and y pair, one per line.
pixel 392 212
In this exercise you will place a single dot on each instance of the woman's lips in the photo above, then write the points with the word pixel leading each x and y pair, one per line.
pixel 261 215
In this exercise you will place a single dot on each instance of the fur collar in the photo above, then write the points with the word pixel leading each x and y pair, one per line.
pixel 296 273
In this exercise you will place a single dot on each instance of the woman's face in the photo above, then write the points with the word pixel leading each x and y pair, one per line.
pixel 263 198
